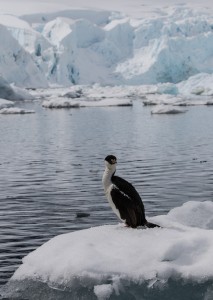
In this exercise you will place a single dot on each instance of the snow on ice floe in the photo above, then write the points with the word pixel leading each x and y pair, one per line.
pixel 167 109
pixel 73 103
pixel 86 96
pixel 176 100
pixel 15 111
pixel 106 256
pixel 161 99
pixel 123 95
pixel 7 108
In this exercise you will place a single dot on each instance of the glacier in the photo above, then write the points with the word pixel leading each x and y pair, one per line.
pixel 116 262
pixel 88 46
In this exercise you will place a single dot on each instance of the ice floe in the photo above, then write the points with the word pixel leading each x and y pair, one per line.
pixel 73 103
pixel 15 111
pixel 106 258
pixel 180 100
pixel 167 109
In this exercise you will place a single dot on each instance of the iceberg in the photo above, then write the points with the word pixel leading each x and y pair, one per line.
pixel 116 262
pixel 5 103
pixel 197 85
pixel 164 99
pixel 11 92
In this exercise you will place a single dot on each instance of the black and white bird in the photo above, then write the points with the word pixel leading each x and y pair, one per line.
pixel 123 197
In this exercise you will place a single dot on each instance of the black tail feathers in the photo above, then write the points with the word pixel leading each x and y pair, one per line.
pixel 151 225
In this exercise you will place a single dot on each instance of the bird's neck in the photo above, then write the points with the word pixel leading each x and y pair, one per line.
pixel 107 178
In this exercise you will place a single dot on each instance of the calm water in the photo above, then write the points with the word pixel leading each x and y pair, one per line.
pixel 51 164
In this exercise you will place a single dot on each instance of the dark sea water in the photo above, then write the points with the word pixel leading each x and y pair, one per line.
pixel 51 166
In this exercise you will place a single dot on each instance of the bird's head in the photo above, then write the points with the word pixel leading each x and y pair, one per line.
pixel 110 162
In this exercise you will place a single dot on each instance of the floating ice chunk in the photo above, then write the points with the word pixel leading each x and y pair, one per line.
pixel 107 102
pixel 11 92
pixel 15 110
pixel 70 103
pixel 180 100
pixel 167 109
pixel 95 91
pixel 103 291
pixel 60 103
pixel 157 99
pixel 21 93
pixel 5 103
pixel 200 84
pixel 122 91
pixel 78 93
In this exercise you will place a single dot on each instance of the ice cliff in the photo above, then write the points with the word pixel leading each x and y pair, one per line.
pixel 86 47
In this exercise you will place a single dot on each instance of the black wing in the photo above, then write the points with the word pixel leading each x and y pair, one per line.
pixel 128 202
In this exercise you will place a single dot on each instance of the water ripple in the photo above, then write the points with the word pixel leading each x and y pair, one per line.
pixel 49 173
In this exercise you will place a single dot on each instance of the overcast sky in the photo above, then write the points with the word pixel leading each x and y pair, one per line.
pixel 134 8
